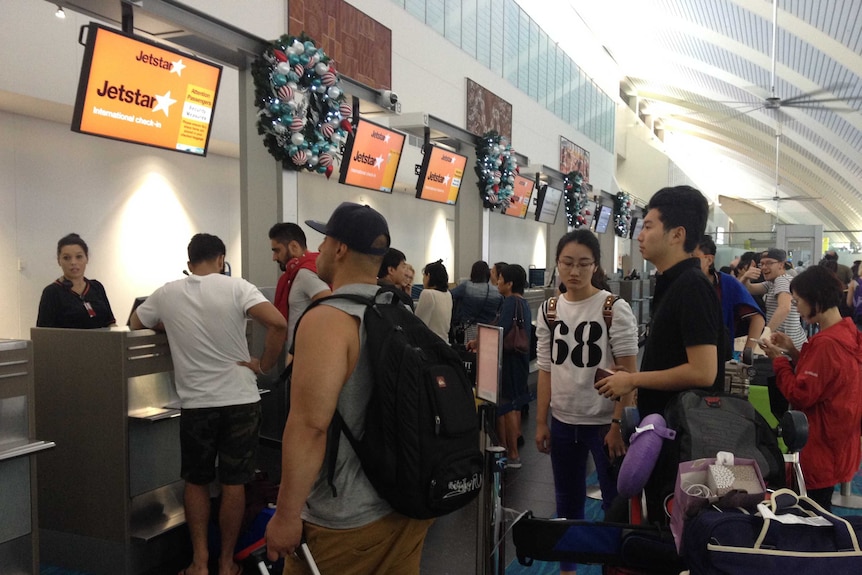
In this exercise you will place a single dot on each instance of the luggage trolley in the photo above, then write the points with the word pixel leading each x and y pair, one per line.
pixel 637 546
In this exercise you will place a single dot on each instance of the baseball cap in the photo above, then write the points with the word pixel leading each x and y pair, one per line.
pixel 357 226
pixel 776 254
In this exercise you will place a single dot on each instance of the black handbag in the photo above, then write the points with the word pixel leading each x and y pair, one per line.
pixel 517 339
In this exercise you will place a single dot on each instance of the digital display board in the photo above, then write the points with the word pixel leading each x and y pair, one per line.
pixel 138 91
pixel 371 157
pixel 441 175
pixel 548 205
pixel 603 218
pixel 522 191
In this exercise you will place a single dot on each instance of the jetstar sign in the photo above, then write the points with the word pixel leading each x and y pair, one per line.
pixel 133 90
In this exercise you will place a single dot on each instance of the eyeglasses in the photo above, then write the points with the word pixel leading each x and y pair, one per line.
pixel 769 263
pixel 567 265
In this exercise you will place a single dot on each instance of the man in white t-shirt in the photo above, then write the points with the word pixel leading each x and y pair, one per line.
pixel 299 285
pixel 204 316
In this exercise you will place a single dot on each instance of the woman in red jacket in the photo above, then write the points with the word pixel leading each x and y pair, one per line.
pixel 824 381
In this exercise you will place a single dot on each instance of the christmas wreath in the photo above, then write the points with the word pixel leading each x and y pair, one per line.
pixel 622 214
pixel 576 199
pixel 303 115
pixel 496 167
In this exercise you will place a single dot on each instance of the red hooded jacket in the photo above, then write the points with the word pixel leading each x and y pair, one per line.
pixel 826 385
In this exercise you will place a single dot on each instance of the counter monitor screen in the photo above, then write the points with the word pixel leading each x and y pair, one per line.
pixel 489 361
pixel 137 91
pixel 440 175
pixel 522 191
pixel 603 219
pixel 637 226
pixel 548 205
pixel 371 157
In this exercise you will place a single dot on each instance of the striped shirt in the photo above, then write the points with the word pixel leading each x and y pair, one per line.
pixel 791 324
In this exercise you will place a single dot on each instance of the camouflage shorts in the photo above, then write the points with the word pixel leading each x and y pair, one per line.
pixel 229 432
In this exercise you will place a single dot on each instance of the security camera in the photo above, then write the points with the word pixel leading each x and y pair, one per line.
pixel 390 97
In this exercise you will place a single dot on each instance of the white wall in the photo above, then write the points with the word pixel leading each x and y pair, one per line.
pixel 53 181
pixel 136 207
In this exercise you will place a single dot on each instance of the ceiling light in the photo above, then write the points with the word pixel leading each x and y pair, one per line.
pixel 60 13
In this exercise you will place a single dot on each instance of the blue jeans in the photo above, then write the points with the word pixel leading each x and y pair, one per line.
pixel 570 445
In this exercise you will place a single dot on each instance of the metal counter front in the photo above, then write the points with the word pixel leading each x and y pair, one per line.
pixel 110 493
pixel 19 535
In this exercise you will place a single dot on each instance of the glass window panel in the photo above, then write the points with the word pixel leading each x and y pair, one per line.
pixel 453 21
pixel 435 15
pixel 416 8
pixel 497 44
pixel 510 41
pixel 399 3
pixel 523 52
pixel 469 31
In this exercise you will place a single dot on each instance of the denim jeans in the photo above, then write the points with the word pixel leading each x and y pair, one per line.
pixel 570 445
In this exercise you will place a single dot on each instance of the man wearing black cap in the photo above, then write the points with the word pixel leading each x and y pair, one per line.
pixel 781 312
pixel 357 531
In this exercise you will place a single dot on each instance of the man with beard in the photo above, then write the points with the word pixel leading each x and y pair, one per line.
pixel 299 285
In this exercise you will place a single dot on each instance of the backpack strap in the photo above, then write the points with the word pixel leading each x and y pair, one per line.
pixel 551 313
pixel 608 310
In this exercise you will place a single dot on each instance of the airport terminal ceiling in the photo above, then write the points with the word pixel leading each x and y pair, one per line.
pixel 702 74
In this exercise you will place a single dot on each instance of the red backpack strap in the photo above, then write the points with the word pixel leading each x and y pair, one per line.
pixel 608 309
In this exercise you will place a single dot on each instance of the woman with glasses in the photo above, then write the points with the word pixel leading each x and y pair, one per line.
pixel 781 313
pixel 823 379
pixel 571 349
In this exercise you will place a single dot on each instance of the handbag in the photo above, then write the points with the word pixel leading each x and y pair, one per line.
pixel 517 340
pixel 789 534
pixel 696 487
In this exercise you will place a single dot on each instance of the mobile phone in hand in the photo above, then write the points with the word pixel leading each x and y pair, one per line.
pixel 603 373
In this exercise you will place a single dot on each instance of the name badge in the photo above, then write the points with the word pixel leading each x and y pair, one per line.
pixel 90 311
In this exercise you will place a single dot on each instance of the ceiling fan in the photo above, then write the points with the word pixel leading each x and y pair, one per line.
pixel 773 102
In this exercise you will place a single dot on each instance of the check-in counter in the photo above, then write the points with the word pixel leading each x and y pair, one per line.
pixel 19 534
pixel 110 494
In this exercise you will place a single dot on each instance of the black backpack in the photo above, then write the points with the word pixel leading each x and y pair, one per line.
pixel 420 449
pixel 707 422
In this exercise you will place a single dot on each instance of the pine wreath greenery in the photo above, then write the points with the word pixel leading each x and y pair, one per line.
pixel 576 199
pixel 622 214
pixel 303 114
pixel 496 167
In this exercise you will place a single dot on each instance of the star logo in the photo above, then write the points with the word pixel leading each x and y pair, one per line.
pixel 386 138
pixel 178 67
pixel 164 103
pixel 445 180
pixel 378 161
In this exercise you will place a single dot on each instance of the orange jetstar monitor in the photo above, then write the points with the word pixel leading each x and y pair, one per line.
pixel 138 91
pixel 440 176
pixel 522 191
pixel 371 157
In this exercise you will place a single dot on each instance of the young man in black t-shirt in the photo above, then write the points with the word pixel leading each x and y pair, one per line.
pixel 684 348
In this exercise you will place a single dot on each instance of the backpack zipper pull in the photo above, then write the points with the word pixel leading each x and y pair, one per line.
pixel 436 425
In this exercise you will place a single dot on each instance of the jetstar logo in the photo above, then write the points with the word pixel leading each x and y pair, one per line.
pixel 174 67
pixel 367 159
pixel 136 97
pixel 449 159
pixel 378 136
pixel 434 177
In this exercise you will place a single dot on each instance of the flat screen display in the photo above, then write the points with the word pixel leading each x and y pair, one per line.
pixel 440 175
pixel 637 226
pixel 138 91
pixel 536 277
pixel 489 361
pixel 603 218
pixel 590 207
pixel 548 205
pixel 522 191
pixel 371 157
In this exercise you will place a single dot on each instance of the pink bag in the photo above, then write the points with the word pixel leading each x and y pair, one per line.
pixel 692 492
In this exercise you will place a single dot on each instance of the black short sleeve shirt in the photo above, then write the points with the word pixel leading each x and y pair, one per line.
pixel 686 312
pixel 61 307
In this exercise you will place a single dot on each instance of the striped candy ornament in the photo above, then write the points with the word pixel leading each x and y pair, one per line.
pixel 285 93
pixel 299 158
pixel 345 110
pixel 327 130
pixel 328 79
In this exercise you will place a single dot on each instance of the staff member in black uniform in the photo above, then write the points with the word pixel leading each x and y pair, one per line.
pixel 73 301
